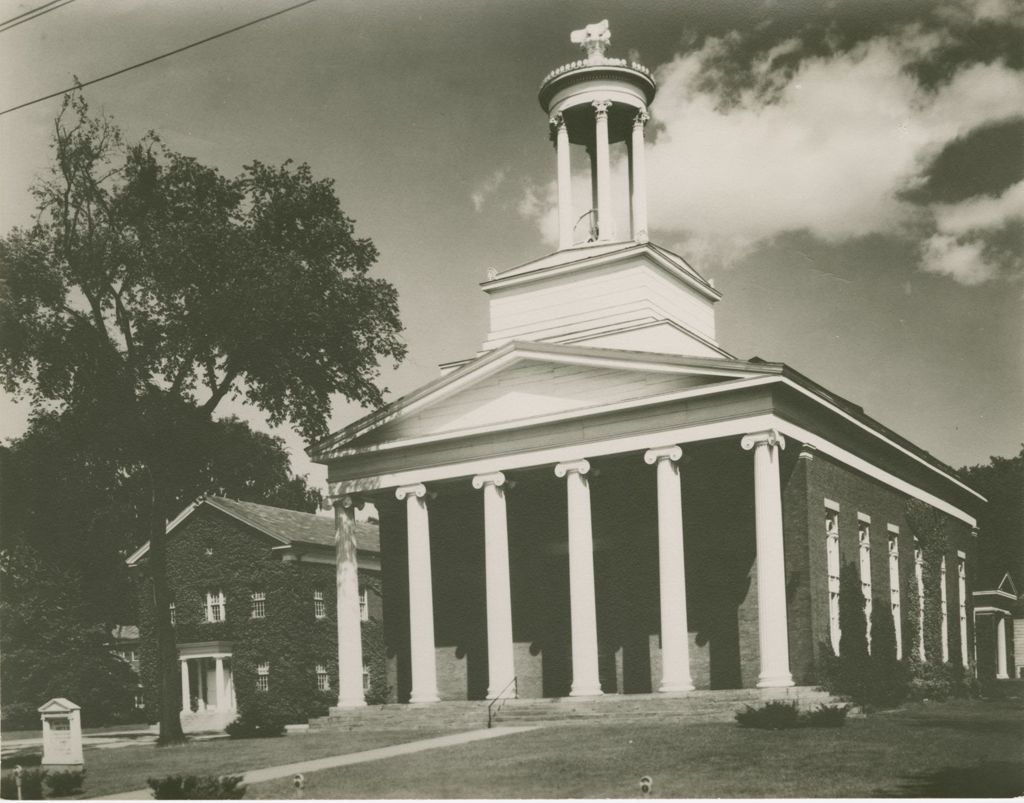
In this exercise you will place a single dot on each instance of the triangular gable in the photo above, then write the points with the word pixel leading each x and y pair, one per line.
pixel 58 705
pixel 1007 585
pixel 524 382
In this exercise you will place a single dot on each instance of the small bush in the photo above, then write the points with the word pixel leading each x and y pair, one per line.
pixel 197 787
pixel 774 715
pixel 63 784
pixel 31 785
pixel 826 716
pixel 256 725
pixel 931 681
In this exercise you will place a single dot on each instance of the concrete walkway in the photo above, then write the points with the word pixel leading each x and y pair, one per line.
pixel 313 765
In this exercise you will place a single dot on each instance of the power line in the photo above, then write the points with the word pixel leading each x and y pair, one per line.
pixel 30 11
pixel 37 15
pixel 123 70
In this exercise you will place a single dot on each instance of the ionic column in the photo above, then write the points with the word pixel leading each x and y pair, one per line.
pixel 582 599
pixel 1001 661
pixel 186 692
pixel 771 562
pixel 350 629
pixel 675 646
pixel 638 178
pixel 605 225
pixel 218 679
pixel 565 221
pixel 421 595
pixel 500 660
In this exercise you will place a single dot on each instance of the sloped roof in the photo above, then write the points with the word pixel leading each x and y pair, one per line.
pixel 290 527
pixel 125 632
pixel 293 526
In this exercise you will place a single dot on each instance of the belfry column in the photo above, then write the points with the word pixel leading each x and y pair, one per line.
pixel 500 660
pixel 565 221
pixel 421 595
pixel 675 646
pixel 605 224
pixel 582 599
pixel 350 628
pixel 186 692
pixel 771 563
pixel 638 178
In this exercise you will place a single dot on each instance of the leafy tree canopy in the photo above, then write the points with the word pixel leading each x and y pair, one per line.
pixel 1001 521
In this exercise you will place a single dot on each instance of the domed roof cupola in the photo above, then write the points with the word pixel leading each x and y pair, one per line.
pixel 596 102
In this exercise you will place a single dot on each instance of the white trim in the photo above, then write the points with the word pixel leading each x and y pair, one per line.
pixel 830 505
pixel 995 591
pixel 880 436
pixel 961 554
pixel 990 609
pixel 892 528
pixel 520 423
pixel 580 451
pixel 562 454
pixel 589 263
pixel 864 517
pixel 829 448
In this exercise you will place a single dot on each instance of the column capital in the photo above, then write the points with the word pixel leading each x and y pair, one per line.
pixel 348 501
pixel 419 490
pixel 601 108
pixel 557 120
pixel 771 437
pixel 673 453
pixel 495 478
pixel 640 119
pixel 580 467
pixel 807 451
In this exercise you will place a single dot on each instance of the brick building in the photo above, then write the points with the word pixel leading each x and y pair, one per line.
pixel 254 611
pixel 605 500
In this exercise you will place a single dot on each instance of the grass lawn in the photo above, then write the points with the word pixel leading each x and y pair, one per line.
pixel 127 768
pixel 958 748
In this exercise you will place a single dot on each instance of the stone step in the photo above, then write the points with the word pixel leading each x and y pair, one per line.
pixel 696 706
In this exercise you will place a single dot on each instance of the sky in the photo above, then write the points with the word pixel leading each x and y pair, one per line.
pixel 850 174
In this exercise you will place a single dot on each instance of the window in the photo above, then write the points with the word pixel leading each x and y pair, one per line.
pixel 172 612
pixel 864 539
pixel 961 572
pixel 138 700
pixel 894 587
pixel 944 609
pixel 323 680
pixel 364 605
pixel 832 557
pixel 319 609
pixel 259 604
pixel 366 679
pixel 263 676
pixel 216 610
pixel 919 579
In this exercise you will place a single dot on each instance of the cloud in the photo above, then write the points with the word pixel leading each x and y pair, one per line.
pixel 487 188
pixel 963 248
pixel 823 144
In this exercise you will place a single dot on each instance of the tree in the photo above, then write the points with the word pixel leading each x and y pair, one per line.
pixel 48 648
pixel 1001 521
pixel 151 287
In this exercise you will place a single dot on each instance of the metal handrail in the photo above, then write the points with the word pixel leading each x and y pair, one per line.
pixel 500 698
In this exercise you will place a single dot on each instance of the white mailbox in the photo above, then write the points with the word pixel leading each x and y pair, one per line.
pixel 62 735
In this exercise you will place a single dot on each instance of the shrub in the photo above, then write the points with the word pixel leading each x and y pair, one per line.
pixel 63 784
pixel 31 785
pixel 940 681
pixel 826 716
pixel 197 787
pixel 773 715
pixel 256 724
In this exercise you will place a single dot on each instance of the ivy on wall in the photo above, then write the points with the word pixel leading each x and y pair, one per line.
pixel 927 525
pixel 212 552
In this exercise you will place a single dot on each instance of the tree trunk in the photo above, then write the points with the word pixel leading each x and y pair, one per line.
pixel 168 665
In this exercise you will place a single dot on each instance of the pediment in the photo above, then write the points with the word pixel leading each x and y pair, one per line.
pixel 523 384
pixel 1007 585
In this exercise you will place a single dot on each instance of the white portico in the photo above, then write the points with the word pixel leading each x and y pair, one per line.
pixel 595 502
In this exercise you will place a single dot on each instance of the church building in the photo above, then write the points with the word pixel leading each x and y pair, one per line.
pixel 604 500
